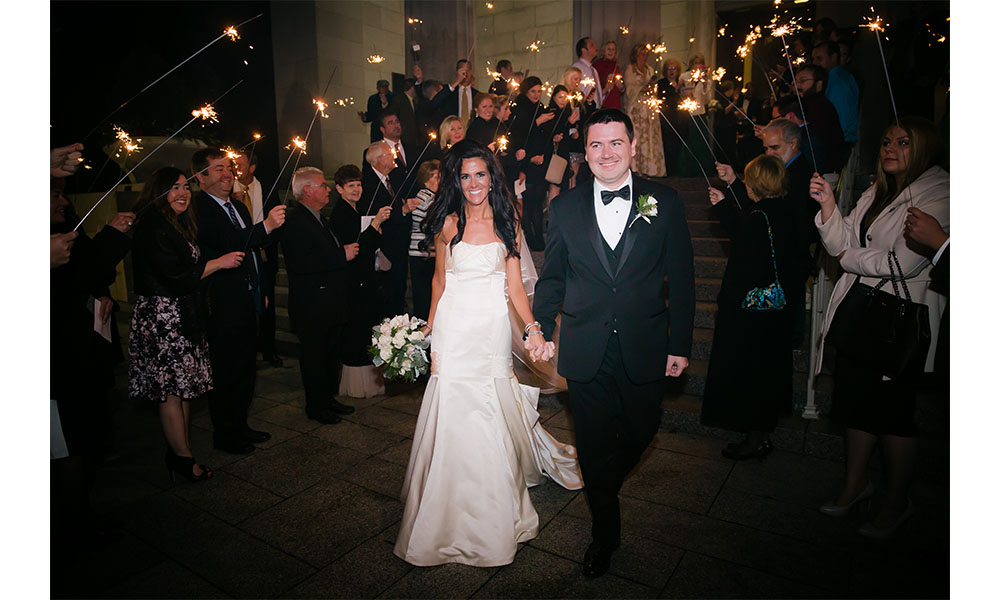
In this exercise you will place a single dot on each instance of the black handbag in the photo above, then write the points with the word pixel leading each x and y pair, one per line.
pixel 884 331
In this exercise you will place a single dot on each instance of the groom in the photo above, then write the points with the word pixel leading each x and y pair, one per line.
pixel 609 248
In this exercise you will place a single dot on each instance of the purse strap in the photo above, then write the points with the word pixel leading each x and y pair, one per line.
pixel 892 258
pixel 770 238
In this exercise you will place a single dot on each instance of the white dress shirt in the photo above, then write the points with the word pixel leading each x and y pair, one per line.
pixel 398 147
pixel 588 70
pixel 222 204
pixel 256 199
pixel 612 218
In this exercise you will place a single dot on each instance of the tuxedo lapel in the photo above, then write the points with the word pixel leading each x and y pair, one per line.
pixel 630 234
pixel 593 232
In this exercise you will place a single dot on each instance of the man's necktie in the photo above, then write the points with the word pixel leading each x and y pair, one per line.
pixel 607 197
pixel 399 156
pixel 254 279
pixel 464 111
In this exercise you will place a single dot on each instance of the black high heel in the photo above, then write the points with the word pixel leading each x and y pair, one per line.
pixel 184 466
pixel 760 452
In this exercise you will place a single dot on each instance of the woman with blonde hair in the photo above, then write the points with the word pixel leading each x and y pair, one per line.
pixel 749 382
pixel 876 408
pixel 640 87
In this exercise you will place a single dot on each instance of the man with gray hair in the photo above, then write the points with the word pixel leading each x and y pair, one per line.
pixel 316 262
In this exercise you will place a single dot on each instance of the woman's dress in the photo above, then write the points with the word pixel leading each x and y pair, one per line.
pixel 648 159
pixel 478 443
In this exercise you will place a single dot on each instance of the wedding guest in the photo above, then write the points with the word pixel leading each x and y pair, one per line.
pixel 316 261
pixel 168 351
pixel 461 100
pixel 695 85
pixel 561 131
pixel 841 88
pixel 377 103
pixel 451 132
pixel 812 144
pixel 421 260
pixel 810 81
pixel 572 146
pixel 249 190
pixel 748 391
pixel 406 106
pixel 876 409
pixel 925 235
pixel 609 76
pixel 65 161
pixel 586 52
pixel 640 87
pixel 499 87
pixel 668 90
pixel 235 298
pixel 483 126
pixel 403 154
pixel 530 145
pixel 360 378
pixel 80 370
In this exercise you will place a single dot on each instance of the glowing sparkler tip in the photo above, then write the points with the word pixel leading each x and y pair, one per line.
pixel 413 20
pixel 534 46
pixel 232 33
pixel 689 105
pixel 623 29
pixel 231 154
pixel 719 74
pixel 433 135
pixel 489 6
pixel 375 59
pixel 502 142
pixel 206 113
pixel 298 143
pixel 256 136
pixel 321 107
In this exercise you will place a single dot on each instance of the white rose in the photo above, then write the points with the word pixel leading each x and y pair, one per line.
pixel 399 340
pixel 652 211
pixel 416 336
pixel 406 365
pixel 385 354
pixel 385 328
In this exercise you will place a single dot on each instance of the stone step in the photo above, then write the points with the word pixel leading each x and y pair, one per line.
pixel 706 229
pixel 709 266
pixel 710 246
pixel 698 210
pixel 706 289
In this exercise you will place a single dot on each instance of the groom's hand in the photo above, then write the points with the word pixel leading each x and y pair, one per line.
pixel 676 365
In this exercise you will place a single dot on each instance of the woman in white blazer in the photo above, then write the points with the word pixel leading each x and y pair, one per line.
pixel 875 408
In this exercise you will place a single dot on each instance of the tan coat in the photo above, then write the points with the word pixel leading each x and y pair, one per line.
pixel 931 194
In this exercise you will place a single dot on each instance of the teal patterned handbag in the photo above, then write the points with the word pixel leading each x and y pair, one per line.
pixel 771 297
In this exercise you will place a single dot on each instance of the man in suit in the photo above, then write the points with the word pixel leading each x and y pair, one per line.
pixel 438 101
pixel 460 103
pixel 316 262
pixel 605 262
pixel 235 298
pixel 500 87
pixel 586 52
pixel 377 103
pixel 248 190
pixel 406 106
pixel 403 154
pixel 810 81
pixel 382 185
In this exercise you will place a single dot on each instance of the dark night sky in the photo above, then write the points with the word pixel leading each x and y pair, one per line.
pixel 118 48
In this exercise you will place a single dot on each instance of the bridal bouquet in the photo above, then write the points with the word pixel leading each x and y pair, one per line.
pixel 399 344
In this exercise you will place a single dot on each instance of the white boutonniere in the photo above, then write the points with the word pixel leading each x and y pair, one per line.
pixel 645 207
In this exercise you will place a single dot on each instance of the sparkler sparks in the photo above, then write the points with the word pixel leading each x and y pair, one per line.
pixel 232 33
pixel 786 29
pixel 654 104
pixel 206 113
pixel 534 46
pixel 502 142
pixel 698 76
pixel 489 6
pixel 432 135
pixel 375 59
pixel 751 39
pixel 298 143
pixel 719 74
pixel 623 29
pixel 321 107
pixel 689 104
pixel 722 30
pixel 349 101
pixel 125 142
pixel 587 81
pixel 800 60
pixel 256 136
pixel 231 154
pixel 413 20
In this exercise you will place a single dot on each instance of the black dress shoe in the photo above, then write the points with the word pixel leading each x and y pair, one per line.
pixel 234 446
pixel 343 409
pixel 327 416
pixel 741 452
pixel 255 437
pixel 597 560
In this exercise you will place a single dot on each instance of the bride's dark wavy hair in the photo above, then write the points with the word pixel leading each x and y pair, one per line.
pixel 450 199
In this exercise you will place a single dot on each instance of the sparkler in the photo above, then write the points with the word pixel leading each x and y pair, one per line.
pixel 297 144
pixel 502 142
pixel 232 33
pixel 743 91
pixel 413 20
pixel 534 46
pixel 489 6
pixel 344 101
pixel 125 142
pixel 375 59
pixel 623 29
pixel 719 74
pixel 321 107
pixel 587 81
pixel 205 112
pixel 160 78
pixel 431 136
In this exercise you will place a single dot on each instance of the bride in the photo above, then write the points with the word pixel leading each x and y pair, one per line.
pixel 478 443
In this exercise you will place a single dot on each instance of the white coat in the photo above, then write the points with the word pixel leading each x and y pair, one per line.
pixel 931 194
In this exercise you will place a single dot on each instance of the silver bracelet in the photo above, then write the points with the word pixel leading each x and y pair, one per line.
pixel 529 325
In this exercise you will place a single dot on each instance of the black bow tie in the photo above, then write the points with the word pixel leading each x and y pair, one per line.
pixel 607 197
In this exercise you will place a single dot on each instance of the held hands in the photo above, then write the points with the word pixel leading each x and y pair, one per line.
pixel 60 246
pixel 538 349
pixel 64 161
pixel 122 221
pixel 676 365
pixel 715 196
pixel 924 229
pixel 275 218
pixel 231 260
pixel 820 189
pixel 726 173
pixel 351 250
pixel 382 215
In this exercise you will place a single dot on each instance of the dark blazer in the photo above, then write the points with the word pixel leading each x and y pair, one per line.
pixel 434 110
pixel 374 113
pixel 484 132
pixel 407 113
pixel 396 230
pixel 317 267
pixel 577 281
pixel 230 304
pixel 452 106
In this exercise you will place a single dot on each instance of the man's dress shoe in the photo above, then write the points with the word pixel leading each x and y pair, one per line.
pixel 327 416
pixel 343 409
pixel 255 437
pixel 597 560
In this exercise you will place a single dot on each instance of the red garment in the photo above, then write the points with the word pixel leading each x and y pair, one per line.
pixel 607 68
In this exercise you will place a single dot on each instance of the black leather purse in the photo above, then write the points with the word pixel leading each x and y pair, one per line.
pixel 884 331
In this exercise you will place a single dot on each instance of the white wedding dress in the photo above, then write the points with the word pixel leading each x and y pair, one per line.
pixel 478 443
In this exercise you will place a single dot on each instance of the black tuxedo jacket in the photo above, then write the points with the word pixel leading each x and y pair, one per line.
pixel 404 173
pixel 453 107
pixel 317 267
pixel 395 230
pixel 230 303
pixel 577 280
pixel 407 113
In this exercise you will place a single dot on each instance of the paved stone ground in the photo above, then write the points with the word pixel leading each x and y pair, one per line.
pixel 314 512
